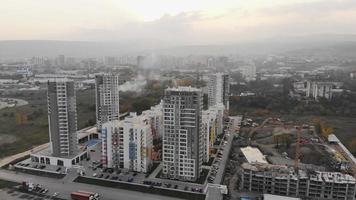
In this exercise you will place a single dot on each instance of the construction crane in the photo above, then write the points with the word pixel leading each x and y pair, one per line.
pixel 297 149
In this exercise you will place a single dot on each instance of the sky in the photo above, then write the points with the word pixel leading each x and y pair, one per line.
pixel 185 22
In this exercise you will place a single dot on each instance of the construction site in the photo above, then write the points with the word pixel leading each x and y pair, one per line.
pixel 273 156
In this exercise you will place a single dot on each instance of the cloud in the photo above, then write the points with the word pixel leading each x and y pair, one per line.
pixel 189 24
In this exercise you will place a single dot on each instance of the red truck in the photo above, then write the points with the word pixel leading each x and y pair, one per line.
pixel 83 195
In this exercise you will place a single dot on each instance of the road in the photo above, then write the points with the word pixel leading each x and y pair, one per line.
pixel 235 122
pixel 65 188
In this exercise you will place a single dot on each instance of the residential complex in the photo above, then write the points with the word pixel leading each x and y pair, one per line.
pixel 127 143
pixel 156 119
pixel 321 89
pixel 62 118
pixel 317 89
pixel 218 89
pixel 110 139
pixel 283 180
pixel 212 122
pixel 183 141
pixel 136 133
pixel 249 71
pixel 107 98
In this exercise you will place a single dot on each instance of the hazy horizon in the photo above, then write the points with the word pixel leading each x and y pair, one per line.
pixel 175 22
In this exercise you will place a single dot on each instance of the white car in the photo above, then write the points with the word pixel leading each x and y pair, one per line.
pixel 94 175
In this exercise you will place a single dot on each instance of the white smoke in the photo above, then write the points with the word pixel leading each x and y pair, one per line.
pixel 135 85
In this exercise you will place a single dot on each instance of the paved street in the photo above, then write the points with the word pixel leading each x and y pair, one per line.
pixel 234 122
pixel 64 188
pixel 66 185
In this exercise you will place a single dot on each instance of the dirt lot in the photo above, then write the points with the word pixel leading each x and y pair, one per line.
pixel 344 127
pixel 282 151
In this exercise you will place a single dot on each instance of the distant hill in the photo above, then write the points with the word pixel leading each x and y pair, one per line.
pixel 336 45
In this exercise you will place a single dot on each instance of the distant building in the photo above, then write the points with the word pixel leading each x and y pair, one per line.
pixel 218 89
pixel 61 60
pixel 183 140
pixel 110 61
pixel 317 89
pixel 249 72
pixel 325 90
pixel 140 61
pixel 107 98
pixel 62 116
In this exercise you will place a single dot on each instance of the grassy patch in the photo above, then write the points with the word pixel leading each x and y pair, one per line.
pixel 35 131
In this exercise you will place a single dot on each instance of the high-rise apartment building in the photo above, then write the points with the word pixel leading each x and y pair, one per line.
pixel 107 98
pixel 127 143
pixel 212 120
pixel 218 89
pixel 110 144
pixel 249 72
pixel 62 118
pixel 156 118
pixel 183 143
pixel 137 136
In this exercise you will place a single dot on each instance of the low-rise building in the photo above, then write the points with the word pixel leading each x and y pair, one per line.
pixel 253 155
pixel 317 89
pixel 286 181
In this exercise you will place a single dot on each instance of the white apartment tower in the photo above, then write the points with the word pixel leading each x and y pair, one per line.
pixel 249 72
pixel 212 120
pixel 110 144
pixel 218 89
pixel 62 118
pixel 137 146
pixel 156 119
pixel 107 98
pixel 182 133
pixel 127 143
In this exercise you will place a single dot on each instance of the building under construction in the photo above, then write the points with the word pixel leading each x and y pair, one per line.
pixel 284 180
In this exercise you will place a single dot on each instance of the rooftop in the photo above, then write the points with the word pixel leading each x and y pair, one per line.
pixel 276 197
pixel 253 155
pixel 183 89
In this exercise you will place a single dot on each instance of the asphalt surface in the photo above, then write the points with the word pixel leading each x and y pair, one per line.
pixel 234 122
pixel 64 188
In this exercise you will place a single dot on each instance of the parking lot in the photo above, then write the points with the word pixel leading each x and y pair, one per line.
pixel 91 168
pixel 218 167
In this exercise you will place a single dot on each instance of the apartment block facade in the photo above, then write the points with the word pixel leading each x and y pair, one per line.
pixel 212 120
pixel 156 118
pixel 62 117
pixel 183 142
pixel 282 180
pixel 127 144
pixel 218 89
pixel 107 98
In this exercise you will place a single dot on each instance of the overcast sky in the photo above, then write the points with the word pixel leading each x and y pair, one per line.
pixel 178 21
